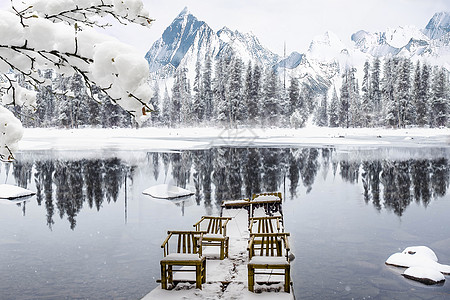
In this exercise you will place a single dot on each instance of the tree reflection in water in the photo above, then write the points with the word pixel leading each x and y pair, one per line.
pixel 64 187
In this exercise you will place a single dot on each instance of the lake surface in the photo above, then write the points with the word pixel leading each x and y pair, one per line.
pixel 89 232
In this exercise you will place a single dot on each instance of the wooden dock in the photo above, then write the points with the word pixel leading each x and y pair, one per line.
pixel 228 278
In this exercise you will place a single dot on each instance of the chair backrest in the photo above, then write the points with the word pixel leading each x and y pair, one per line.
pixel 271 224
pixel 187 242
pixel 268 244
pixel 214 225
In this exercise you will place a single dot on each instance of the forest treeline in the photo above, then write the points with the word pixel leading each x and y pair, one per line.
pixel 65 187
pixel 393 93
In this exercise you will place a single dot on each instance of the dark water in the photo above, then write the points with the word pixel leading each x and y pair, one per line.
pixel 89 232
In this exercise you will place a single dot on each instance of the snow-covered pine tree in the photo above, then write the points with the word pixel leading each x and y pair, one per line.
pixel 248 91
pixel 405 108
pixel 207 90
pixel 322 111
pixel 79 109
pixel 333 110
pixel 255 102
pixel 186 99
pixel 94 108
pixel 293 96
pixel 390 110
pixel 366 102
pixel 424 108
pixel 198 104
pixel 270 113
pixel 355 112
pixel 45 101
pixel 221 107
pixel 416 94
pixel 234 89
pixel 166 109
pixel 177 94
pixel 344 103
pixel 440 100
pixel 375 93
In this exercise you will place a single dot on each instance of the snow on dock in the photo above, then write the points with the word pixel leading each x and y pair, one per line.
pixel 228 278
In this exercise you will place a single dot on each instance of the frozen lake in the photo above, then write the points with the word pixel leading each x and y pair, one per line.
pixel 89 232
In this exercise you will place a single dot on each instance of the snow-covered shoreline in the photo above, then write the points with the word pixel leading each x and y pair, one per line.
pixel 160 139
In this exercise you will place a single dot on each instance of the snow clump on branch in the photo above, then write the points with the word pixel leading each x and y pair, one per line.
pixel 58 34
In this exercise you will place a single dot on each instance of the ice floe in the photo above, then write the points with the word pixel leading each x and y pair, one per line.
pixel 167 191
pixel 8 191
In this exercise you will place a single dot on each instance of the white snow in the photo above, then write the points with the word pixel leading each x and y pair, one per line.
pixel 266 198
pixel 422 264
pixel 424 274
pixel 159 139
pixel 181 256
pixel 269 260
pixel 8 191
pixel 11 132
pixel 166 191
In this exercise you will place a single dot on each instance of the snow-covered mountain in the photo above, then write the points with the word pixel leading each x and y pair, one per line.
pixel 188 40
pixel 438 26
pixel 432 42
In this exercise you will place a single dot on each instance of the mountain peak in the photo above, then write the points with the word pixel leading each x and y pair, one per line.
pixel 184 12
pixel 438 26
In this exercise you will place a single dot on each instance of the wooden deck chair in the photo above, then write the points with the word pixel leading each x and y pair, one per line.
pixel 271 202
pixel 271 224
pixel 265 252
pixel 216 233
pixel 184 251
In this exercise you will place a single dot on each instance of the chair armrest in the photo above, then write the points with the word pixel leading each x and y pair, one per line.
pixel 166 240
pixel 197 225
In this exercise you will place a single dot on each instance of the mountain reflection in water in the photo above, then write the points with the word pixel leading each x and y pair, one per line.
pixel 65 186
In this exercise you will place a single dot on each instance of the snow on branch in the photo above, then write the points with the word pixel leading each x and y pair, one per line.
pixel 57 34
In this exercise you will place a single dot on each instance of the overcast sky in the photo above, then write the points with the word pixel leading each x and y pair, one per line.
pixel 293 21
pixel 274 22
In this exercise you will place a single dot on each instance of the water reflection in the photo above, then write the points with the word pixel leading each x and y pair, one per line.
pixel 65 186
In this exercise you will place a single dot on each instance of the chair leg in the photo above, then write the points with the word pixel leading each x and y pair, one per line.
pixel 222 250
pixel 287 279
pixel 251 278
pixel 204 271
pixel 170 274
pixel 198 276
pixel 163 277
pixel 227 239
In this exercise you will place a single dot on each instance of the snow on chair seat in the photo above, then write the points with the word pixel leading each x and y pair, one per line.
pixel 265 251
pixel 268 260
pixel 216 233
pixel 187 253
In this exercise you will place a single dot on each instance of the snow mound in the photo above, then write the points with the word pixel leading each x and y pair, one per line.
pixel 425 275
pixel 8 191
pixel 166 191
pixel 422 264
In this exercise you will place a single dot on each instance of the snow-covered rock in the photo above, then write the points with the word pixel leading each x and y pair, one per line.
pixel 424 275
pixel 422 264
pixel 167 191
pixel 8 191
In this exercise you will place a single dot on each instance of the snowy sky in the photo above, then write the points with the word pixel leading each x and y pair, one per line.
pixel 293 21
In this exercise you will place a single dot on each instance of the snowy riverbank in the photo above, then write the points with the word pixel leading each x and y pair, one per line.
pixel 160 139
